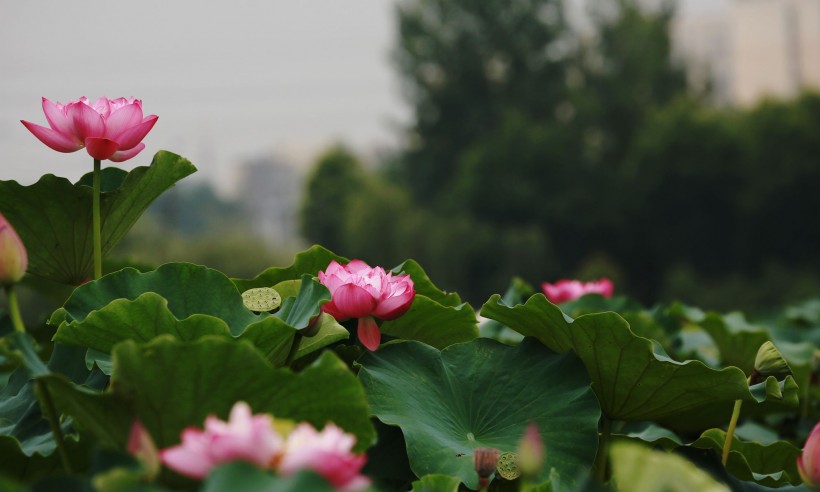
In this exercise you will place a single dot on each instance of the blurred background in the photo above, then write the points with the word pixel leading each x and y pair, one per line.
pixel 671 146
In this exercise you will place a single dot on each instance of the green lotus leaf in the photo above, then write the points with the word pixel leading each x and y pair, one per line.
pixel 53 216
pixel 482 394
pixel 632 376
pixel 436 483
pixel 309 262
pixel 329 332
pixel 434 324
pixel 20 416
pixel 148 317
pixel 424 286
pixel 169 384
pixel 771 465
pixel 190 289
pixel 737 341
pixel 639 469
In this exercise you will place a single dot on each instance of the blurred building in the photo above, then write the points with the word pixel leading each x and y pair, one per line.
pixel 270 191
pixel 750 49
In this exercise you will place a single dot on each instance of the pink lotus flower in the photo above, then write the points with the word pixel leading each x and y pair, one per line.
pixel 244 437
pixel 359 291
pixel 808 463
pixel 328 453
pixel 110 129
pixel 569 290
pixel 13 256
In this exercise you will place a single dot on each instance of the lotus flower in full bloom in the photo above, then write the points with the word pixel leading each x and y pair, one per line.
pixel 328 453
pixel 13 256
pixel 254 439
pixel 569 290
pixel 244 437
pixel 359 291
pixel 110 129
pixel 808 463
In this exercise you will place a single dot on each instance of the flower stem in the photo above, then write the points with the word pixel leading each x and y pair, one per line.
pixel 50 413
pixel 297 339
pixel 603 448
pixel 14 309
pixel 730 432
pixel 97 234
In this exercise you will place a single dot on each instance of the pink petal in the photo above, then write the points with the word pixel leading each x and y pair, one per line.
pixel 332 310
pixel 124 155
pixel 184 461
pixel 393 307
pixel 134 135
pixel 86 122
pixel 356 266
pixel 100 148
pixel 353 301
pixel 122 119
pixel 58 120
pixel 369 333
pixel 52 138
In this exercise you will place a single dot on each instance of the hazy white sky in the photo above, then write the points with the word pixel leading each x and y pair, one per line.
pixel 229 80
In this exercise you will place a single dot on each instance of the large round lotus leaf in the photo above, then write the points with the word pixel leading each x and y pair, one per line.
pixel 169 385
pixel 482 394
pixel 434 324
pixel 632 376
pixel 53 216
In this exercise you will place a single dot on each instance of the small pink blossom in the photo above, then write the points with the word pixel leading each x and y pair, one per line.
pixel 328 453
pixel 142 447
pixel 569 290
pixel 13 256
pixel 244 437
pixel 359 291
pixel 110 129
pixel 808 463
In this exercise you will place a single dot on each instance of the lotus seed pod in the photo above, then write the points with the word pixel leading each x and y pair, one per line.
pixel 261 299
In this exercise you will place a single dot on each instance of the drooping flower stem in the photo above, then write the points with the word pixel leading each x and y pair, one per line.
pixel 730 432
pixel 603 447
pixel 50 413
pixel 97 234
pixel 46 404
pixel 14 309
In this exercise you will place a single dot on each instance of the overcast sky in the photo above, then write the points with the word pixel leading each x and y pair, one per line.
pixel 229 80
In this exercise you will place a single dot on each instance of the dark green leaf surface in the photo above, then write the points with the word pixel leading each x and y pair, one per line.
pixel 53 216
pixel 633 378
pixel 482 394
pixel 307 262
pixel 169 385
pixel 434 324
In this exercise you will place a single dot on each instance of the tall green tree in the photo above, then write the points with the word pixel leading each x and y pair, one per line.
pixel 465 64
pixel 336 178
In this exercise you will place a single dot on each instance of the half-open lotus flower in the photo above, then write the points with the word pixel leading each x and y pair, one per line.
pixel 359 291
pixel 569 290
pixel 110 129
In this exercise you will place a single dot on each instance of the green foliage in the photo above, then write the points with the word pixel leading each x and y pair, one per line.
pixel 482 394
pixel 629 371
pixel 58 246
pixel 169 385
pixel 639 469
pixel 335 181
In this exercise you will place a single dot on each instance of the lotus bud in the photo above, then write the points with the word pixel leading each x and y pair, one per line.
pixel 531 451
pixel 13 257
pixel 769 362
pixel 485 460
pixel 142 447
pixel 808 463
